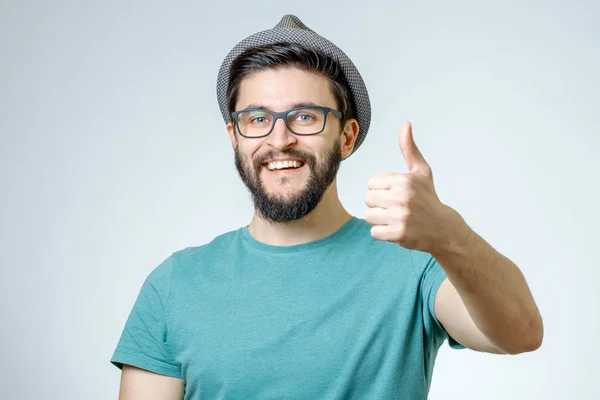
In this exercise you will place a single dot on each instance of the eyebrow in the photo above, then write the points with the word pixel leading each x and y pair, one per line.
pixel 294 105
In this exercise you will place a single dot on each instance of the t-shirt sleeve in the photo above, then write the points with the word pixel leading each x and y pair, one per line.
pixel 144 341
pixel 431 279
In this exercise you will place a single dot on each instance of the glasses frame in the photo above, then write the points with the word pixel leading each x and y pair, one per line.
pixel 283 116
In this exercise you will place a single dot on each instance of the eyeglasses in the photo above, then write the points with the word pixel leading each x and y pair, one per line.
pixel 304 121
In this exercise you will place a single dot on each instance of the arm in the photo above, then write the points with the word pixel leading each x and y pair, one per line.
pixel 139 384
pixel 144 344
pixel 485 304
pixel 454 317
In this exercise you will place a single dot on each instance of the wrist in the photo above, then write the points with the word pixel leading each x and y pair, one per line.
pixel 456 236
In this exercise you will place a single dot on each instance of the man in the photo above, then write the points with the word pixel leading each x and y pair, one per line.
pixel 307 301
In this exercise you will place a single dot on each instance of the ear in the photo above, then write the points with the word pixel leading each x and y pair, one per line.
pixel 349 135
pixel 232 136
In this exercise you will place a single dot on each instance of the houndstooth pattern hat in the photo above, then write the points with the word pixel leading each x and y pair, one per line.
pixel 291 29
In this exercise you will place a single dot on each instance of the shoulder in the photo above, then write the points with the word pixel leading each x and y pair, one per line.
pixel 181 264
pixel 419 261
pixel 160 276
pixel 379 251
pixel 422 261
pixel 191 257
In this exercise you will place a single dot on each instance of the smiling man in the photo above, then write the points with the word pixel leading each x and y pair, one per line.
pixel 308 301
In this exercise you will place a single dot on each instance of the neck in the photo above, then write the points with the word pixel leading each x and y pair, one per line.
pixel 324 220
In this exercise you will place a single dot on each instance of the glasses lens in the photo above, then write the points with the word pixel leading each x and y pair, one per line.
pixel 255 123
pixel 305 121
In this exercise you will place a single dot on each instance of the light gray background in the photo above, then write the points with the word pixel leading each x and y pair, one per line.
pixel 114 155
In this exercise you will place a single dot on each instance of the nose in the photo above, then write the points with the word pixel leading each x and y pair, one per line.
pixel 281 137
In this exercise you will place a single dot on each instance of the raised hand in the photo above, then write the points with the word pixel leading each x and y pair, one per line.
pixel 404 207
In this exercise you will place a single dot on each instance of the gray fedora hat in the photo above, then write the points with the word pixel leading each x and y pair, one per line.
pixel 291 29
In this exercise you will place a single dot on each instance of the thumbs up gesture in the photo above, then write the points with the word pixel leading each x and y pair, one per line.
pixel 404 208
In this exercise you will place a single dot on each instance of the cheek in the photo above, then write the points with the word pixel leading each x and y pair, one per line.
pixel 318 145
pixel 249 150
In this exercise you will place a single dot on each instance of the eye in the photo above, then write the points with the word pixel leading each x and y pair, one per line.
pixel 258 118
pixel 303 116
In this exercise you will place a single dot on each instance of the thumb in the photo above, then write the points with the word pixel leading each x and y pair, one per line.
pixel 412 156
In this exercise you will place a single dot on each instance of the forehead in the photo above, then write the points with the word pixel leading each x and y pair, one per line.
pixel 279 89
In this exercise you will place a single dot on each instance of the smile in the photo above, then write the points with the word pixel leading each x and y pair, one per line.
pixel 284 164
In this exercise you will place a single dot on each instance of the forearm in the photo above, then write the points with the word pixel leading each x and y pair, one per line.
pixel 492 288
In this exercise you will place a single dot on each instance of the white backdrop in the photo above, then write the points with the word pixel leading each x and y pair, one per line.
pixel 114 155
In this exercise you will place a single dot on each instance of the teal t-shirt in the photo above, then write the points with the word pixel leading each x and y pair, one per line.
pixel 344 317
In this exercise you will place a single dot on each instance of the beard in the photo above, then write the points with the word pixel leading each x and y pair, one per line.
pixel 281 208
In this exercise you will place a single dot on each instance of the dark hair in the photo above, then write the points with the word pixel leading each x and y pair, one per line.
pixel 285 54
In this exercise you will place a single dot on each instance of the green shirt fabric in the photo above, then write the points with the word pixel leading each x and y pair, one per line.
pixel 344 317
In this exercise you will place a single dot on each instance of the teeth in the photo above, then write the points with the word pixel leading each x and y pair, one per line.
pixel 283 164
